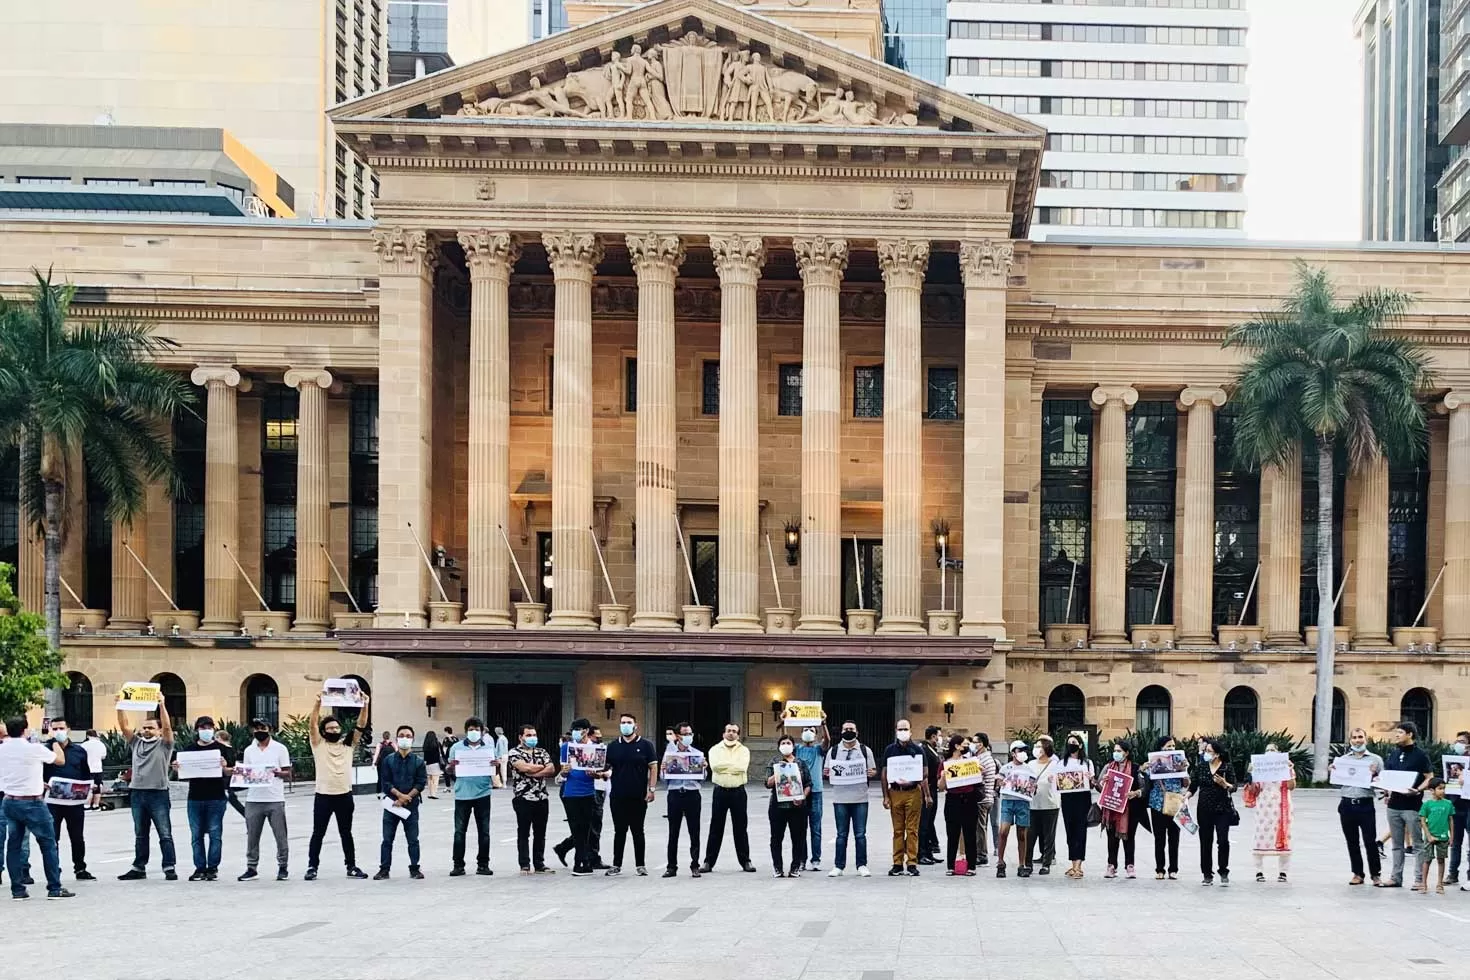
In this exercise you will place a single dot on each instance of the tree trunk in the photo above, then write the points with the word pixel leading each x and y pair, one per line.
pixel 51 606
pixel 1326 615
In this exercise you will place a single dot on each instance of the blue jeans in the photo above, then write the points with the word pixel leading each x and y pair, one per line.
pixel 206 819
pixel 410 834
pixel 815 805
pixel 854 815
pixel 30 816
pixel 25 846
pixel 152 806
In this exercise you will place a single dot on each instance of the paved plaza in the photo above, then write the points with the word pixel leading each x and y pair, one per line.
pixel 725 925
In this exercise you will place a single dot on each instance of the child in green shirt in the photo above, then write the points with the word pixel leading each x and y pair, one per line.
pixel 1435 815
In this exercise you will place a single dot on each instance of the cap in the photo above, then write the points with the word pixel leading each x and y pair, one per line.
pixel 1017 744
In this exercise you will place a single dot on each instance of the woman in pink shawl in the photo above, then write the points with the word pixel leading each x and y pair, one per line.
pixel 1273 824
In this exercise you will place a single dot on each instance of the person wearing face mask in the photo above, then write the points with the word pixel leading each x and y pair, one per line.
pixel 1164 797
pixel 1046 805
pixel 1356 814
pixel 531 770
pixel 1213 781
pixel 928 835
pixel 1402 811
pixel 729 764
pixel 402 777
pixel 23 810
pixel 77 767
pixel 578 799
pixel 905 800
pixel 1075 804
pixel 266 802
pixel 787 810
pixel 682 799
pixel 331 750
pixel 810 749
pixel 961 812
pixel 151 747
pixel 1461 746
pixel 988 829
pixel 1123 827
pixel 1272 826
pixel 472 798
pixel 207 805
pixel 850 800
pixel 632 762
pixel 1016 777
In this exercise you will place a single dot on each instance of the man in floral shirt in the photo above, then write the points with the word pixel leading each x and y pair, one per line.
pixel 531 769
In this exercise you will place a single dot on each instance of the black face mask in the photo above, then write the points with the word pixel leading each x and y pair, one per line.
pixel 332 736
pixel 262 736
pixel 849 735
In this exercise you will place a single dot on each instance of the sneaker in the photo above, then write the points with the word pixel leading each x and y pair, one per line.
pixel 863 871
pixel 748 868
pixel 132 874
pixel 1131 873
pixel 1224 879
pixel 982 862
pixel 1024 871
pixel 1208 880
pixel 85 875
pixel 814 866
pixel 212 874
pixel 914 870
pixel 282 874
pixel 202 875
pixel 544 870
pixel 1261 877
pixel 560 850
pixel 1381 852
pixel 612 872
pixel 250 875
pixel 835 873
pixel 695 869
pixel 63 893
pixel 581 872
pixel 1045 869
pixel 1452 878
pixel 641 872
pixel 895 871
pixel 22 897
pixel 795 872
pixel 1408 848
pixel 415 873
pixel 1112 871
pixel 778 873
pixel 457 872
pixel 356 873
pixel 484 870
pixel 382 875
pixel 670 873
pixel 169 874
pixel 310 875
pixel 1000 870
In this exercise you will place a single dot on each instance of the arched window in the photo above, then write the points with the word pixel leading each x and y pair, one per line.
pixel 76 701
pixel 1153 710
pixel 175 698
pixel 260 698
pixel 1066 709
pixel 1242 710
pixel 1339 717
pixel 1418 707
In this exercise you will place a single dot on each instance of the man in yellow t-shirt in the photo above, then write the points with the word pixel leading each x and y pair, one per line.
pixel 332 751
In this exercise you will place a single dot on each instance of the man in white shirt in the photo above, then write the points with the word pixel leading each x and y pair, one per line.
pixel 96 751
pixel 24 809
pixel 265 801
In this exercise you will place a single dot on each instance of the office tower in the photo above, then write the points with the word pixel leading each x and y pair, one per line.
pixel 1454 122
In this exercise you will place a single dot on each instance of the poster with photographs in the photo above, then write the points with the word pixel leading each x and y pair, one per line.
pixel 68 792
pixel 789 788
pixel 342 692
pixel 1017 781
pixel 1170 764
pixel 588 756
pixel 1074 778
pixel 684 766
pixel 244 777
pixel 1454 774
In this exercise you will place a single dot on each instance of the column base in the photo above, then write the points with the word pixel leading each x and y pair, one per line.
pixel 738 623
pixel 613 616
pixel 819 624
pixel 263 623
pixel 219 626
pixel 900 625
pixel 352 621
pixel 945 622
pixel 1367 641
pixel 125 625
pixel 696 618
pixel 1454 642
pixel 83 620
pixel 976 627
pixel 1156 636
pixel 1118 640
pixel 309 626
pixel 164 621
pixel 1291 638
pixel 1244 637
pixel 408 619
pixel 530 615
pixel 488 619
pixel 1420 636
pixel 861 622
pixel 778 619
pixel 655 622
pixel 1198 639
pixel 445 615
pixel 571 619
pixel 1064 636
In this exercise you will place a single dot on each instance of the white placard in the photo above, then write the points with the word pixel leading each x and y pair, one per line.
pixel 848 772
pixel 68 792
pixel 1271 767
pixel 905 768
pixel 389 806
pixel 341 692
pixel 140 696
pixel 244 777
pixel 789 788
pixel 201 765
pixel 684 766
pixel 473 762
pixel 1397 780
pixel 1454 774
pixel 802 714
pixel 589 756
pixel 1348 771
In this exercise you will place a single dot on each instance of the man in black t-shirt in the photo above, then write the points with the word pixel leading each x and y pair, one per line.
pixel 1403 808
pixel 633 763
pixel 207 801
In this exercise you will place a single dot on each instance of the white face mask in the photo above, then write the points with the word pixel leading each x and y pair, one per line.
pixel 808 736
pixel 1020 755
pixel 474 735
pixel 903 734
pixel 405 742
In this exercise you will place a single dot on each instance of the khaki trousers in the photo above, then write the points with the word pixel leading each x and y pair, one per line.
pixel 906 808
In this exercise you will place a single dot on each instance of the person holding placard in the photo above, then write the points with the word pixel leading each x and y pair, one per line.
pixel 1461 802
pixel 682 800
pixel 1403 806
pixel 1017 787
pixel 633 766
pixel 961 810
pixel 905 793
pixel 791 783
pixel 1355 808
pixel 578 799
pixel 77 769
pixel 472 760
pixel 1046 805
pixel 1273 808
pixel 1122 826
pixel 1213 781
pixel 1074 785
pixel 332 749
pixel 23 811
pixel 814 743
pixel 206 806
pixel 849 765
pixel 152 749
pixel 265 801
pixel 402 779
pixel 1165 797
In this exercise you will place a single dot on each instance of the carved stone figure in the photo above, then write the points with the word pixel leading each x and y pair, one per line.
pixel 757 81
pixel 594 87
pixel 657 88
pixel 737 93
pixel 693 74
pixel 793 92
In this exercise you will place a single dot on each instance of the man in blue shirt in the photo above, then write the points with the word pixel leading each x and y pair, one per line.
pixel 402 777
pixel 577 798
pixel 79 769
pixel 471 797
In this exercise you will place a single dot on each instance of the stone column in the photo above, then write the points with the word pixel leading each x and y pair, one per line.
pixel 656 260
pixel 1370 621
pixel 1110 514
pixel 130 586
pixel 985 266
pixel 313 502
pixel 1197 570
pixel 822 262
pixel 405 387
pixel 574 257
pixel 1281 578
pixel 490 255
pixel 903 262
pixel 1455 630
pixel 738 259
pixel 221 499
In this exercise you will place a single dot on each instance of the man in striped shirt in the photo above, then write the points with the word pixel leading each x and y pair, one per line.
pixel 991 771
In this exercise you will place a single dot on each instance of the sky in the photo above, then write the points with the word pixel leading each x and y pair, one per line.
pixel 1305 117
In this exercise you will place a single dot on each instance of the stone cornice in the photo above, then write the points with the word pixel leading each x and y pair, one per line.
pixel 235 312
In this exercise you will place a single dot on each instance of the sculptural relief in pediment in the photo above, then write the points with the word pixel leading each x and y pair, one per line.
pixel 691 78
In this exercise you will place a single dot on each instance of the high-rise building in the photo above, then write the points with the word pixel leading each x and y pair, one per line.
pixel 418 38
pixel 1454 121
pixel 1402 155
pixel 1144 102
pixel 266 72
pixel 913 37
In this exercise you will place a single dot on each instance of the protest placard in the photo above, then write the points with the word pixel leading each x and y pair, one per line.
pixel 905 768
pixel 1348 771
pixel 1017 781
pixel 244 777
pixel 390 806
pixel 1396 780
pixel 789 787
pixel 341 692
pixel 682 766
pixel 590 756
pixel 1171 764
pixel 140 696
pixel 1115 786
pixel 848 772
pixel 1074 778
pixel 68 792
pixel 1454 774
pixel 962 772
pixel 470 763
pixel 802 714
pixel 1271 767
pixel 1184 817
pixel 201 765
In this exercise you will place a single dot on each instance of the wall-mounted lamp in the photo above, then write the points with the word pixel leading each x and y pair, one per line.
pixel 793 541
pixel 776 708
pixel 430 703
pixel 948 712
pixel 608 704
pixel 940 527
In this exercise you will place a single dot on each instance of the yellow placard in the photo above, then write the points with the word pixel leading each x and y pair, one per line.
pixel 962 772
pixel 140 696
pixel 802 714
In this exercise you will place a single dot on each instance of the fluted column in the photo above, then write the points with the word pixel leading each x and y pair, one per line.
pixel 1455 630
pixel 821 262
pixel 313 503
pixel 738 259
pixel 129 584
pixel 903 262
pixel 221 499
pixel 985 266
pixel 490 255
pixel 1197 569
pixel 1370 621
pixel 656 260
pixel 1281 577
pixel 1110 514
pixel 574 257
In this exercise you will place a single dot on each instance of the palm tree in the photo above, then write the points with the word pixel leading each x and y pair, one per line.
pixel 1321 376
pixel 82 390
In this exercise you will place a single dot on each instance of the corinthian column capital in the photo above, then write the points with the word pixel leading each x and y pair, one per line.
pixel 489 251
pixel 1102 394
pixel 986 262
pixel 820 259
pixel 738 256
pixel 572 252
pixel 903 260
pixel 1210 396
pixel 655 252
pixel 403 250
pixel 296 377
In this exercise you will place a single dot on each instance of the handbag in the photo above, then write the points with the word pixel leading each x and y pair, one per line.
pixel 1094 815
pixel 1234 815
pixel 1172 802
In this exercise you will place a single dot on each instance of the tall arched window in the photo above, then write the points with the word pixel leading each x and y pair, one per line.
pixel 1242 710
pixel 76 701
pixel 1066 709
pixel 175 698
pixel 1418 707
pixel 260 698
pixel 1339 717
pixel 1152 710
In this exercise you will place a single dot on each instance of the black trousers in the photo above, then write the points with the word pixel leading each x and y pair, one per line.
pixel 792 820
pixel 961 817
pixel 579 819
pixel 531 818
pixel 75 818
pixel 727 800
pixel 1214 828
pixel 1129 840
pixel 480 810
pixel 683 805
pixel 1044 832
pixel 1166 831
pixel 628 813
pixel 1360 823
pixel 1074 821
pixel 594 841
pixel 928 834
pixel 323 809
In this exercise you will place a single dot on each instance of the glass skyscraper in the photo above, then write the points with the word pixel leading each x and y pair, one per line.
pixel 913 37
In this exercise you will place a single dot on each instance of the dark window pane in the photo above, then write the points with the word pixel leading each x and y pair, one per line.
pixel 1153 428
pixel 1418 707
pixel 944 393
pixel 1152 710
pixel 1066 510
pixel 1066 709
pixel 1408 526
pixel 710 387
pixel 869 553
pixel 278 415
pixel 543 562
pixel 788 390
pixel 1066 434
pixel 867 392
pixel 1242 710
pixel 365 420
pixel 1152 432
pixel 362 519
pixel 705 557
pixel 630 384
